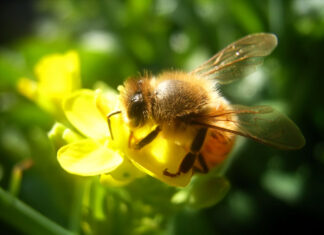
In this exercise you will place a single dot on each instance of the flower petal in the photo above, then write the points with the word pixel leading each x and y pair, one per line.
pixel 110 181
pixel 61 135
pixel 81 110
pixel 161 154
pixel 107 101
pixel 88 157
pixel 58 75
pixel 127 171
pixel 123 175
pixel 27 88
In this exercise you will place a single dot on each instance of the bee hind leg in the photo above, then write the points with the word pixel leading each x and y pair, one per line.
pixel 189 160
pixel 186 164
pixel 204 168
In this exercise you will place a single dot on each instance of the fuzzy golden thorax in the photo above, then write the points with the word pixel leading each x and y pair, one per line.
pixel 168 99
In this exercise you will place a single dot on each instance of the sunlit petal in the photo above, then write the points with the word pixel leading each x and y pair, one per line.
pixel 109 180
pixel 107 101
pixel 27 88
pixel 161 154
pixel 58 75
pixel 123 175
pixel 88 158
pixel 81 110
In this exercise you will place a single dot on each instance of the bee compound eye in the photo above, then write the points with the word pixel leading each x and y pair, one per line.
pixel 136 109
pixel 138 97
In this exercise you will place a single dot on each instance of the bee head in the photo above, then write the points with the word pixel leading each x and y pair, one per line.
pixel 135 99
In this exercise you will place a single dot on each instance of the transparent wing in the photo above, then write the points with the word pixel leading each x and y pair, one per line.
pixel 260 123
pixel 239 58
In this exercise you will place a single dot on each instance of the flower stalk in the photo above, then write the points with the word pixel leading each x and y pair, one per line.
pixel 28 220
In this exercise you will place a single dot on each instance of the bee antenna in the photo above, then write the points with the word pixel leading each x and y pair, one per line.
pixel 109 123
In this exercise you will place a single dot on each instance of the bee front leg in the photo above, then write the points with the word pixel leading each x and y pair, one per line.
pixel 189 160
pixel 147 139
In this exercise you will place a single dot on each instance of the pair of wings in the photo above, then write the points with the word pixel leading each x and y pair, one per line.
pixel 261 123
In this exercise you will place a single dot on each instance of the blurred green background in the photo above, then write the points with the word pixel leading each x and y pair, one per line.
pixel 272 191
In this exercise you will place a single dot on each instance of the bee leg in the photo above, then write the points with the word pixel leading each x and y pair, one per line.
pixel 186 164
pixel 203 164
pixel 189 160
pixel 147 139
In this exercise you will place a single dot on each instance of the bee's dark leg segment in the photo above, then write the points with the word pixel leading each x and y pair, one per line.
pixel 185 165
pixel 198 140
pixel 167 173
pixel 147 139
pixel 189 160
pixel 202 164
pixel 109 123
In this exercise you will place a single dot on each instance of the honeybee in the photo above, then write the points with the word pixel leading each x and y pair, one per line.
pixel 183 105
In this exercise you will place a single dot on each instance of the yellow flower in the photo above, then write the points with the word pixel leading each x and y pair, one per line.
pixel 90 150
pixel 84 144
pixel 97 154
pixel 57 76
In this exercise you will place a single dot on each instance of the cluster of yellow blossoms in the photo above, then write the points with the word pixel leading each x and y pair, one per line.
pixel 82 136
pixel 82 139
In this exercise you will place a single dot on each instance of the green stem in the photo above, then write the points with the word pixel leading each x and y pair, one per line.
pixel 76 210
pixel 25 218
pixel 16 175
